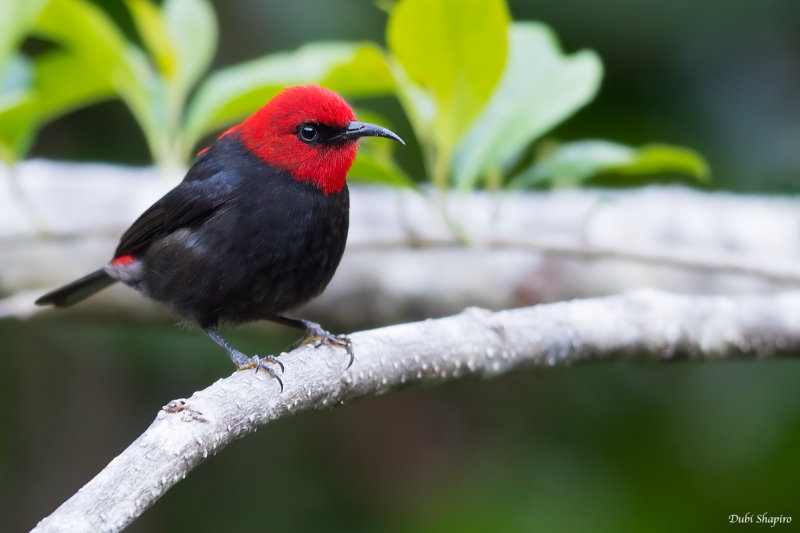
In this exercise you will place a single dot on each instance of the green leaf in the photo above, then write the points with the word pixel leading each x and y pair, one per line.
pixel 64 82
pixel 540 88
pixel 17 126
pixel 152 28
pixel 374 164
pixel 230 94
pixel 17 109
pixel 455 50
pixel 17 99
pixel 574 162
pixel 664 158
pixel 59 83
pixel 85 30
pixel 374 160
pixel 192 29
pixel 16 76
pixel 363 73
pixel 16 18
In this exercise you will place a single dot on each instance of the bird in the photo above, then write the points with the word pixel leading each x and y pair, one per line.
pixel 256 228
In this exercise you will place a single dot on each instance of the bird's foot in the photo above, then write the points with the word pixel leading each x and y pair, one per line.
pixel 241 361
pixel 262 363
pixel 318 336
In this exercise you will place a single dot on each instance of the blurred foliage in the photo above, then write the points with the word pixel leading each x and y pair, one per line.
pixel 590 448
pixel 477 89
pixel 159 83
pixel 449 57
pixel 540 88
pixel 569 164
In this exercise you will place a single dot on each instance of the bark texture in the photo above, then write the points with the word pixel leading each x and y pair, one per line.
pixel 641 326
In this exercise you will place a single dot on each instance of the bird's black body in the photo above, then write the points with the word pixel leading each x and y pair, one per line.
pixel 237 240
pixel 256 228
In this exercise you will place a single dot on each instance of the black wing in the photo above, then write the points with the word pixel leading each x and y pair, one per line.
pixel 190 203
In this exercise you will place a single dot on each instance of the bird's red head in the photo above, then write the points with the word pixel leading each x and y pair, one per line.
pixel 311 133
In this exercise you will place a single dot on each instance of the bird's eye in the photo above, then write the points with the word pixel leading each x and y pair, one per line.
pixel 308 133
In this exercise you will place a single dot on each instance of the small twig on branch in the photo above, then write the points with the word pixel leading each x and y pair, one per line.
pixel 641 326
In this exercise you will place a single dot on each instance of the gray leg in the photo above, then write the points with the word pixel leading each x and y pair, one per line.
pixel 317 335
pixel 242 361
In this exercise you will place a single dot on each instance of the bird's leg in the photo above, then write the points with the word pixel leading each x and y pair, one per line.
pixel 317 335
pixel 242 361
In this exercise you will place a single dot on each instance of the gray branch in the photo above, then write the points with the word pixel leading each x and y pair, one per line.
pixel 403 262
pixel 639 326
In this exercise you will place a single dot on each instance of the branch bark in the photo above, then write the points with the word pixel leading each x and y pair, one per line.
pixel 640 326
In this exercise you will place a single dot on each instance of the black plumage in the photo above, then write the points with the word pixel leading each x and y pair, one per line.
pixel 256 228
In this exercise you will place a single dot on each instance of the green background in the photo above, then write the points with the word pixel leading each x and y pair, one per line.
pixel 591 448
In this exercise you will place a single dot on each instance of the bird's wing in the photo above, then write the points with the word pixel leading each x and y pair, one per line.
pixel 188 204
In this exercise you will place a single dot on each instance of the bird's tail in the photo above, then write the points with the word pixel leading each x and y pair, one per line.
pixel 76 291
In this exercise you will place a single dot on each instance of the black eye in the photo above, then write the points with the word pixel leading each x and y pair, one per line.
pixel 308 133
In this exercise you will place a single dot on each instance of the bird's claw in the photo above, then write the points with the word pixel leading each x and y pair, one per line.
pixel 315 334
pixel 262 363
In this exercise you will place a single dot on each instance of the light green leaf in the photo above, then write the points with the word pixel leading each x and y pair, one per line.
pixel 85 30
pixel 363 73
pixel 152 28
pixel 417 104
pixel 17 109
pixel 16 76
pixel 374 164
pixel 230 94
pixel 540 88
pixel 17 125
pixel 16 18
pixel 57 82
pixel 64 82
pixel 17 100
pixel 374 160
pixel 455 50
pixel 574 162
pixel 664 158
pixel 192 30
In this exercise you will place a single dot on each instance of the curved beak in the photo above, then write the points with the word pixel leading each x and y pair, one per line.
pixel 357 129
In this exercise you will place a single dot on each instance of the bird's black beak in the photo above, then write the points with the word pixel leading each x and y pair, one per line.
pixel 357 129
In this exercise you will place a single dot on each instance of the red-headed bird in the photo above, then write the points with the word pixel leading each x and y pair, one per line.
pixel 257 227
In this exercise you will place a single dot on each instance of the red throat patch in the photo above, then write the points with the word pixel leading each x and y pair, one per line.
pixel 271 134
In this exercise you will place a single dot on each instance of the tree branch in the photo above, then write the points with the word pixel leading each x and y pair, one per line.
pixel 403 262
pixel 640 326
